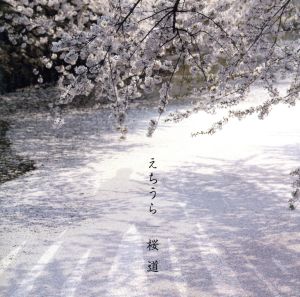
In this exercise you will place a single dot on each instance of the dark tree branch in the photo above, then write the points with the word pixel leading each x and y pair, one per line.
pixel 174 12
pixel 214 22
pixel 150 31
pixel 154 14
pixel 120 25
pixel 281 9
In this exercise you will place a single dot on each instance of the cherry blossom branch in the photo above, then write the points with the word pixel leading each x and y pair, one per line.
pixel 120 25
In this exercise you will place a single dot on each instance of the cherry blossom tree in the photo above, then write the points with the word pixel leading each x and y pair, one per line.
pixel 224 47
pixel 221 48
pixel 123 49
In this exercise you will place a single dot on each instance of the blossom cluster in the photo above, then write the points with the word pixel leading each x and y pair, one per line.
pixel 122 50
pixel 224 48
pixel 28 29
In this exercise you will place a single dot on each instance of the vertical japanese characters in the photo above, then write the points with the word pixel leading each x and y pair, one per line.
pixel 153 182
pixel 152 244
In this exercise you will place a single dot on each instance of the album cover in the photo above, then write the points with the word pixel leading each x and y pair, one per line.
pixel 149 148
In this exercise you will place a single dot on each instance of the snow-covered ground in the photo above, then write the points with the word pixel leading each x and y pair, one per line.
pixel 80 223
